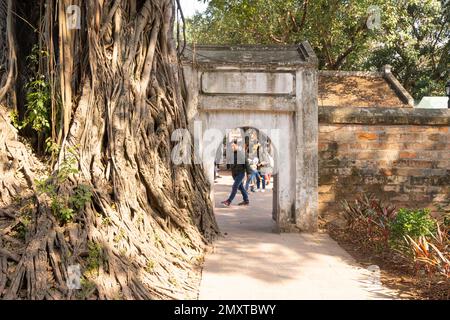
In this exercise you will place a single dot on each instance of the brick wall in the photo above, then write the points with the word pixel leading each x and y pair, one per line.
pixel 402 156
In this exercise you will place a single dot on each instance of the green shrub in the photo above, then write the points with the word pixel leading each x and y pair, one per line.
pixel 412 234
pixel 65 205
pixel 95 256
pixel 14 116
pixel 82 195
pixel 61 211
pixel 39 105
pixel 413 223
pixel 66 215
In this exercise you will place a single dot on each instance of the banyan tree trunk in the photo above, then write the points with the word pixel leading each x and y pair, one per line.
pixel 144 232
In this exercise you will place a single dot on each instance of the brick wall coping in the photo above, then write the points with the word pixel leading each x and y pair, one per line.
pixel 388 116
pixel 334 73
pixel 386 73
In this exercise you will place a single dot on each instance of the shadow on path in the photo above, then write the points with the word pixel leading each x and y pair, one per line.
pixel 251 262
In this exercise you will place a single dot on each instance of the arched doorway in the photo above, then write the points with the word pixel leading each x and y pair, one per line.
pixel 261 187
pixel 272 89
pixel 270 128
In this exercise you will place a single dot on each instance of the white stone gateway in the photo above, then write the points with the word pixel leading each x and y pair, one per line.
pixel 272 89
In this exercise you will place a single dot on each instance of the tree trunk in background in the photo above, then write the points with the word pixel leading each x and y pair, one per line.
pixel 146 227
pixel 7 48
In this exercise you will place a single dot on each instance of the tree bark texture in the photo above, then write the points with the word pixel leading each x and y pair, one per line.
pixel 144 232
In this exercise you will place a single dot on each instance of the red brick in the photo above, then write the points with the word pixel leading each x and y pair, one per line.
pixel 417 129
pixel 409 172
pixel 436 137
pixel 444 164
pixel 367 136
pixel 414 189
pixel 364 155
pixel 403 197
pixel 403 137
pixel 408 163
pixel 386 172
pixel 327 197
pixel 420 197
pixel 325 188
pixel 391 188
pixel 414 163
pixel 407 155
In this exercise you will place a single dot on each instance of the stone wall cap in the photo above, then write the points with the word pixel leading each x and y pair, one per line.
pixel 257 55
pixel 389 116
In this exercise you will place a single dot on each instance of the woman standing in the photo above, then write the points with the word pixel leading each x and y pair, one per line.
pixel 266 165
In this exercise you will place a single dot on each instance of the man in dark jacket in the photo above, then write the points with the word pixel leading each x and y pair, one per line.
pixel 239 167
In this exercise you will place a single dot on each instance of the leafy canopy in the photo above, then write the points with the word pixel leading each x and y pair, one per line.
pixel 413 35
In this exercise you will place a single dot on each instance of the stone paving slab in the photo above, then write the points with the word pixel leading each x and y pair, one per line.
pixel 251 262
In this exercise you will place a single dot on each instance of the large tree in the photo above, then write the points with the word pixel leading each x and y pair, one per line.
pixel 105 95
pixel 413 35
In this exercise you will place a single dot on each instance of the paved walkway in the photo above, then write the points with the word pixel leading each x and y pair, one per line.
pixel 251 262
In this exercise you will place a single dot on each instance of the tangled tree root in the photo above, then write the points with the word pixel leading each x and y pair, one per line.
pixel 143 233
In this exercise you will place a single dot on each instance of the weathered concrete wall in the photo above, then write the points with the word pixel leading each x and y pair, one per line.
pixel 401 155
pixel 306 209
pixel 248 83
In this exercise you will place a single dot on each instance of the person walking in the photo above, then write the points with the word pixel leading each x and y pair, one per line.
pixel 239 167
pixel 254 174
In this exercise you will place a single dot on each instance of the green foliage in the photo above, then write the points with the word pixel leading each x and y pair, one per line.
pixel 173 281
pixel 413 36
pixel 68 166
pixel 38 106
pixel 21 229
pixel 82 195
pixel 88 287
pixel 66 214
pixel 118 237
pixel 38 99
pixel 38 96
pixel 420 239
pixel 15 119
pixel 51 147
pixel 150 266
pixel 60 210
pixel 38 103
pixel 65 206
pixel 412 223
pixel 370 214
pixel 416 44
pixel 35 56
pixel 45 186
pixel 95 257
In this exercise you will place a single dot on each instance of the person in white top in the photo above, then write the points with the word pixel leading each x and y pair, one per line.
pixel 254 175
pixel 265 167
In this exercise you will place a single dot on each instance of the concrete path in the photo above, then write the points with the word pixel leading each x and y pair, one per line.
pixel 251 262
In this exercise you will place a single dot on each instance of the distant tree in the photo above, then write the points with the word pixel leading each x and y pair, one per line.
pixel 413 35
pixel 417 46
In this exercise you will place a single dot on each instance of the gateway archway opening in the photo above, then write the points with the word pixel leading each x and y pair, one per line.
pixel 266 87
pixel 260 184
